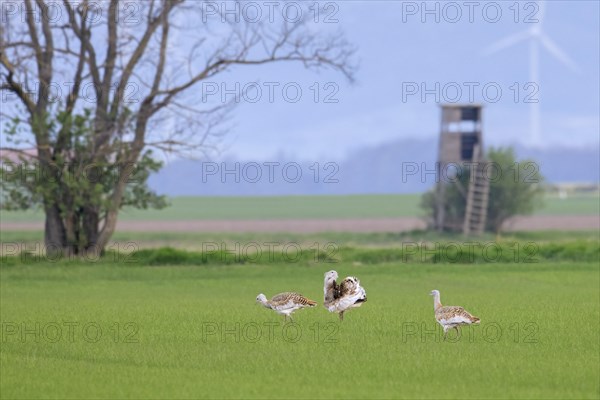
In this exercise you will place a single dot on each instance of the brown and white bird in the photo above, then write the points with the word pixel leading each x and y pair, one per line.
pixel 339 298
pixel 451 317
pixel 285 303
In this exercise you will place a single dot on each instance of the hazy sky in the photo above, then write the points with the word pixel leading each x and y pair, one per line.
pixel 400 53
pixel 406 49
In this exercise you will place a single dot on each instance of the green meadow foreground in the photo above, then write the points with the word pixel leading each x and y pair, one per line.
pixel 115 330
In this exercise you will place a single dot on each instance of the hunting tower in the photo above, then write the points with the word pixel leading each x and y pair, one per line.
pixel 461 145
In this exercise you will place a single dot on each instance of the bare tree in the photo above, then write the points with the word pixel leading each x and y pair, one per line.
pixel 142 92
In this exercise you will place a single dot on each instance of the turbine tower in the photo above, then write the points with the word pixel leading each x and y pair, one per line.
pixel 536 37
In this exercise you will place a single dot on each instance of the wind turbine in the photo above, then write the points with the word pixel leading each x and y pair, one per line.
pixel 536 37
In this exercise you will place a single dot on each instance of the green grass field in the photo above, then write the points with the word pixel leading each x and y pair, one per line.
pixel 358 206
pixel 172 326
pixel 196 332
pixel 129 241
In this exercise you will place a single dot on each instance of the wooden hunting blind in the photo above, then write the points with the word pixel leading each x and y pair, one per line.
pixel 461 148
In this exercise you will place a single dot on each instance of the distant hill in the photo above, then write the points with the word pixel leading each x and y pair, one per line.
pixel 377 169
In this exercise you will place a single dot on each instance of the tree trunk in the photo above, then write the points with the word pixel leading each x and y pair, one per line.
pixel 90 231
pixel 110 223
pixel 76 235
pixel 54 232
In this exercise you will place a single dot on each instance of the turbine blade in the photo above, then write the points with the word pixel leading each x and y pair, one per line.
pixel 558 53
pixel 506 42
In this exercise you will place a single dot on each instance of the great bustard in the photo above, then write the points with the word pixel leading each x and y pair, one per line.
pixel 346 295
pixel 451 317
pixel 285 303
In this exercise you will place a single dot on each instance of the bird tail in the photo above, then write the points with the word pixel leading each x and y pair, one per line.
pixel 475 320
pixel 311 303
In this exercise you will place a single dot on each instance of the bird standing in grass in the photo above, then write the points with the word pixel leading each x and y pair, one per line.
pixel 346 295
pixel 451 317
pixel 285 303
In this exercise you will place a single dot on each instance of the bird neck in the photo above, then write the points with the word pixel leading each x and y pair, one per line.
pixel 265 303
pixel 436 302
pixel 328 284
